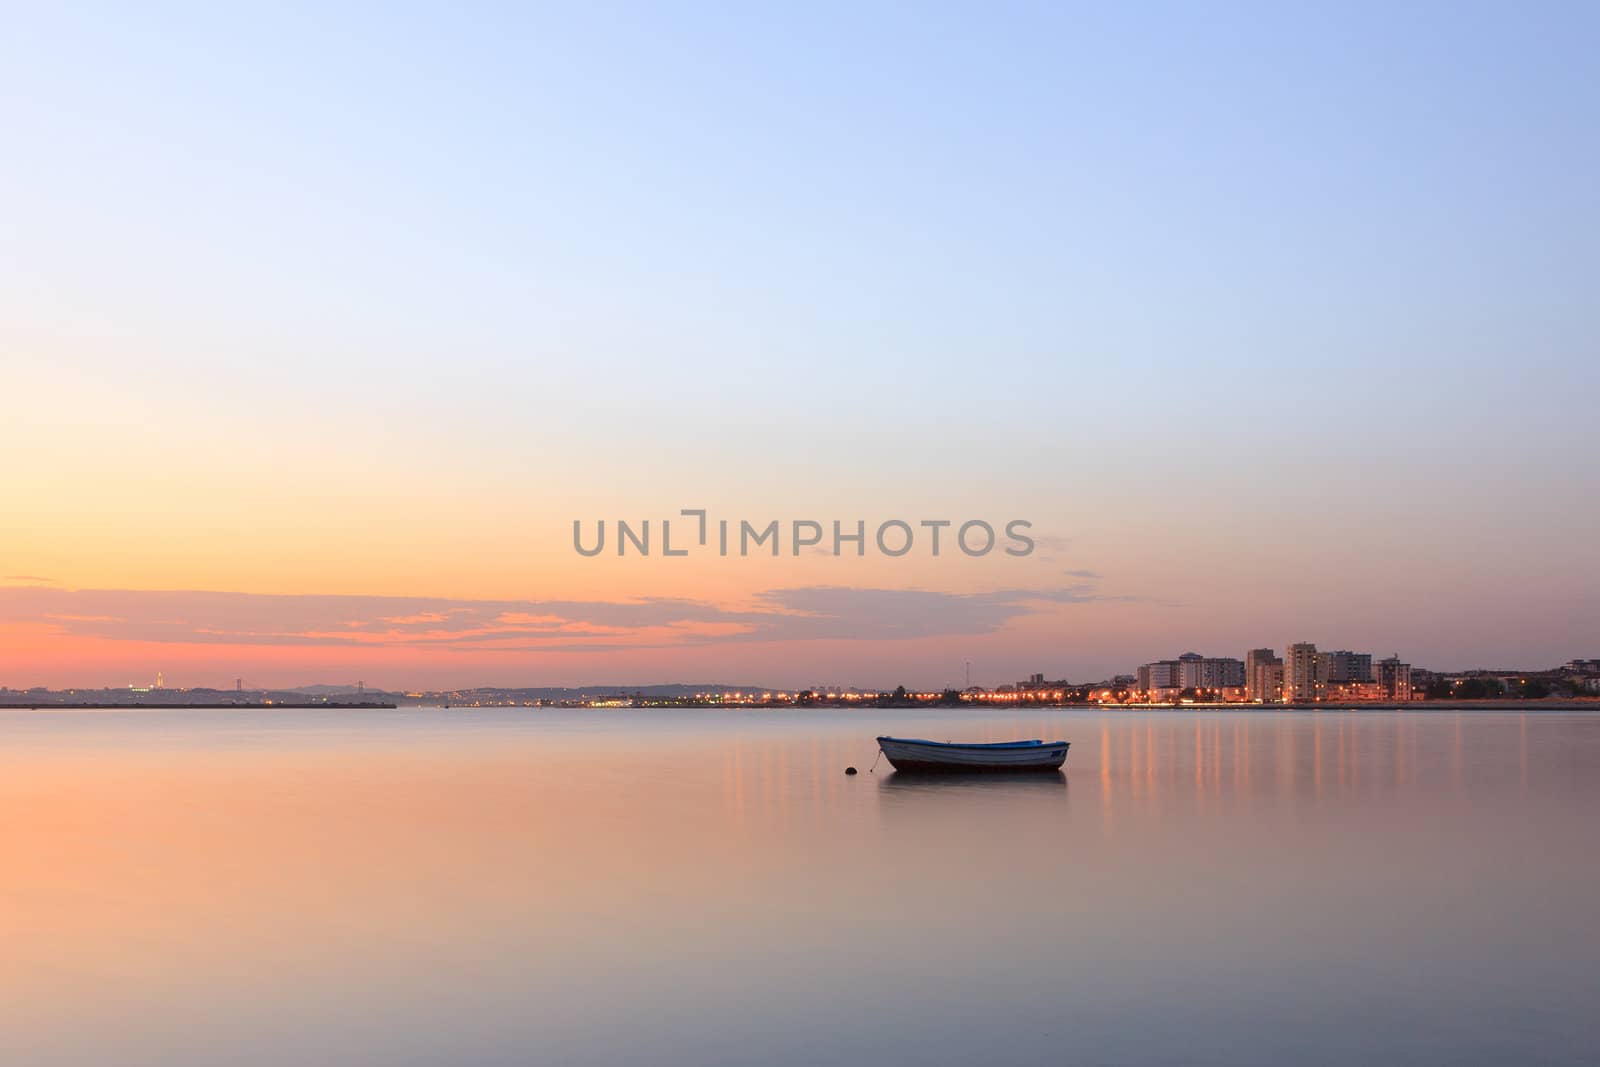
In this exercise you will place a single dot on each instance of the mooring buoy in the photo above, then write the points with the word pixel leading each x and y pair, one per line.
pixel 849 770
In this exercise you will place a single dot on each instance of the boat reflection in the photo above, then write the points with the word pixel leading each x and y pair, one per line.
pixel 984 781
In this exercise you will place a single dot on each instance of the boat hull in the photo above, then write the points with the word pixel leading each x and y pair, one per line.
pixel 933 757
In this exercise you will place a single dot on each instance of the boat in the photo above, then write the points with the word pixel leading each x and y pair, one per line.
pixel 912 754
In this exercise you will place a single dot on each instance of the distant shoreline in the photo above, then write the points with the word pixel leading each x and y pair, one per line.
pixel 169 706
pixel 1372 705
pixel 864 707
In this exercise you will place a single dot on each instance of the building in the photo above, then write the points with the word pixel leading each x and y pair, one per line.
pixel 1269 682
pixel 1161 680
pixel 1345 666
pixel 1225 672
pixel 1038 683
pixel 1394 678
pixel 1205 672
pixel 1353 692
pixel 1189 670
pixel 1304 677
pixel 1168 678
pixel 1161 676
pixel 1263 675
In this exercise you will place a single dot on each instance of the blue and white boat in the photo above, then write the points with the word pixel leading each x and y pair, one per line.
pixel 912 754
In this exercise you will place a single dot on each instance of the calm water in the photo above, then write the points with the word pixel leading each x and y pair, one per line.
pixel 521 887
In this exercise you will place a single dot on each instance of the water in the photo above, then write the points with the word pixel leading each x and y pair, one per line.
pixel 621 887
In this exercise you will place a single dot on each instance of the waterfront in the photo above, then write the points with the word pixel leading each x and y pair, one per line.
pixel 517 886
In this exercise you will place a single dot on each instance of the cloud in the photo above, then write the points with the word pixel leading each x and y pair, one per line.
pixel 1050 546
pixel 795 614
pixel 30 579
pixel 835 612
pixel 1082 574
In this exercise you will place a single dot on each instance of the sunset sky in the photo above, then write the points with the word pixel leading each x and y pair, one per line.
pixel 319 330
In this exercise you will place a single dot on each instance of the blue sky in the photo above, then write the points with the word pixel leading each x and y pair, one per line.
pixel 1084 259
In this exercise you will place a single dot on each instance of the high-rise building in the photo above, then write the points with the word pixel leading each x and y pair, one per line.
pixel 1209 672
pixel 1304 675
pixel 1223 672
pixel 1269 678
pixel 1190 671
pixel 1163 674
pixel 1345 666
pixel 1394 678
pixel 1263 675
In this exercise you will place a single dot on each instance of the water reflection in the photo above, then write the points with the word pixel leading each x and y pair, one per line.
pixel 1310 753
pixel 429 887
pixel 1002 781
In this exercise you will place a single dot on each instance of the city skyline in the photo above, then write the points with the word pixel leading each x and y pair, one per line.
pixel 411 625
